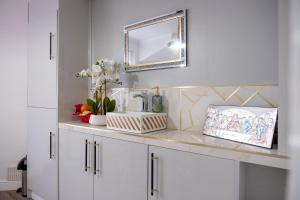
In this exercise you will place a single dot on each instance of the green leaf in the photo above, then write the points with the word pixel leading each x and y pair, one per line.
pixel 111 106
pixel 106 101
pixel 105 104
pixel 92 110
pixel 98 102
pixel 93 106
pixel 95 109
pixel 89 102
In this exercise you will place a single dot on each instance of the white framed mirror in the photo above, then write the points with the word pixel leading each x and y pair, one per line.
pixel 156 43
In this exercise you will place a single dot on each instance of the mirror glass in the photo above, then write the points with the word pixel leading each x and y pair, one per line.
pixel 153 43
pixel 156 43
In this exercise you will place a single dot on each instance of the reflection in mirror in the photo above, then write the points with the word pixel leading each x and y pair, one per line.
pixel 156 43
pixel 153 43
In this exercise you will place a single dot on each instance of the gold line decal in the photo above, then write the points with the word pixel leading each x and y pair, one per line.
pixel 186 96
pixel 233 93
pixel 211 86
pixel 239 98
pixel 251 97
pixel 191 117
pixel 218 93
pixel 266 100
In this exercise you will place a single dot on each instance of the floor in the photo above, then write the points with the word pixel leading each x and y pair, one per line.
pixel 11 195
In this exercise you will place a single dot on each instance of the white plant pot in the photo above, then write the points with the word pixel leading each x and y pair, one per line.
pixel 98 120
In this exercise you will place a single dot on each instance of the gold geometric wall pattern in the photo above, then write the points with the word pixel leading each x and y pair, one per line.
pixel 188 112
pixel 257 93
pixel 192 117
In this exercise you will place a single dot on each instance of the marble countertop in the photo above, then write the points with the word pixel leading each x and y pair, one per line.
pixel 193 142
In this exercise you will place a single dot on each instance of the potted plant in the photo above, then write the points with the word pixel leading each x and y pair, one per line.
pixel 96 106
pixel 102 73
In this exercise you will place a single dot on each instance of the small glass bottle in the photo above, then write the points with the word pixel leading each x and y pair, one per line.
pixel 157 105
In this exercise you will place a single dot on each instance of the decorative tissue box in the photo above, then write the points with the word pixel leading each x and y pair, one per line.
pixel 136 122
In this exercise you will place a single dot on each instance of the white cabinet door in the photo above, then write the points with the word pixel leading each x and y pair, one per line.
pixel 75 161
pixel 42 152
pixel 176 175
pixel 121 170
pixel 42 58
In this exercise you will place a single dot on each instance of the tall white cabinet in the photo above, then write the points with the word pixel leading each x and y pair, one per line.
pixel 42 53
pixel 42 98
pixel 58 43
pixel 42 152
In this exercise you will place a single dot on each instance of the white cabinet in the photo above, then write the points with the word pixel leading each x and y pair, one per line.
pixel 121 170
pixel 42 99
pixel 58 36
pixel 43 152
pixel 115 169
pixel 176 175
pixel 75 162
pixel 42 57
pixel 96 168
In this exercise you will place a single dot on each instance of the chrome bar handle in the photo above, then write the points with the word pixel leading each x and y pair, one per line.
pixel 51 46
pixel 50 151
pixel 98 169
pixel 52 155
pixel 152 189
pixel 86 156
pixel 88 162
pixel 96 158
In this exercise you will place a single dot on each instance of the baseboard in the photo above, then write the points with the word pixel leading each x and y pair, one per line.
pixel 9 185
pixel 35 196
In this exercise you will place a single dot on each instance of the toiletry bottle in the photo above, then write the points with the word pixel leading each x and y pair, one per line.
pixel 157 105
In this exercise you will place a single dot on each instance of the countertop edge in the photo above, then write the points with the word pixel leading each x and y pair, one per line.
pixel 242 155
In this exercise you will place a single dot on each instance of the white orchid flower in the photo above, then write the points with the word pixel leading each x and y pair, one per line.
pixel 97 68
pixel 108 78
pixel 102 78
pixel 104 71
pixel 84 73
pixel 98 82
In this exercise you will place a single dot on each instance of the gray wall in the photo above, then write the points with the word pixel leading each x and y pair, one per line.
pixel 13 85
pixel 74 54
pixel 229 41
